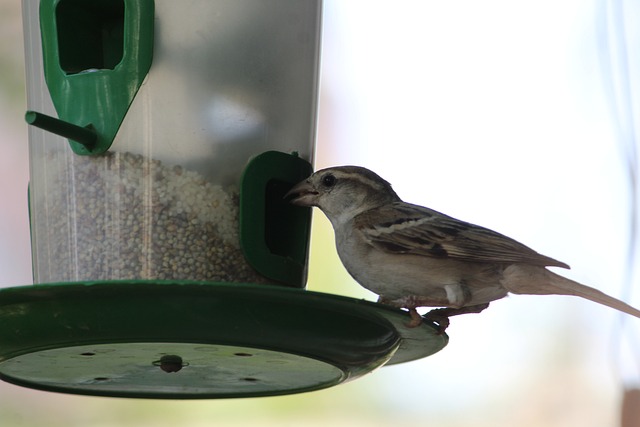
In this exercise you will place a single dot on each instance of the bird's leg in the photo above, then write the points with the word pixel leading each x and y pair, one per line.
pixel 383 300
pixel 441 315
pixel 455 298
pixel 413 301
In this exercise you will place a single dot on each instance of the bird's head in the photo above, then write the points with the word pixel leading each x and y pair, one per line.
pixel 343 192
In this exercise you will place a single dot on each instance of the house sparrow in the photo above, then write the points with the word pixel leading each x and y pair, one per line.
pixel 413 256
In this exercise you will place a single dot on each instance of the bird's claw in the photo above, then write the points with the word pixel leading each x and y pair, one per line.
pixel 439 318
pixel 416 319
pixel 441 315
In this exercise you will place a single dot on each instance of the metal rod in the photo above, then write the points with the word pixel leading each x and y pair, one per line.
pixel 82 135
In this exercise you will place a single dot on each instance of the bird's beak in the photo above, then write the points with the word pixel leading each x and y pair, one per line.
pixel 302 194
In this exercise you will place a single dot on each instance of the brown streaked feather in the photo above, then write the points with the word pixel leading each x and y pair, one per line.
pixel 405 228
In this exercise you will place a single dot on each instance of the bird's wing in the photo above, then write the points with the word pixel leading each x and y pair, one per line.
pixel 405 228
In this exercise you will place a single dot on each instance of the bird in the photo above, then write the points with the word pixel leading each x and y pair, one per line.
pixel 413 256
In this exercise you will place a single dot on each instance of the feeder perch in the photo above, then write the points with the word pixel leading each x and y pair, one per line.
pixel 166 262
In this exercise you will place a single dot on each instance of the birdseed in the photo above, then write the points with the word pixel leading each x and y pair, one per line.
pixel 124 216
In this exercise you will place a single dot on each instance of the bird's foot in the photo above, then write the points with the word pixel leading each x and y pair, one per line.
pixel 416 319
pixel 410 302
pixel 441 315
pixel 440 318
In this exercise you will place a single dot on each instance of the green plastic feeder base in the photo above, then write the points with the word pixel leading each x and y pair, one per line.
pixel 197 340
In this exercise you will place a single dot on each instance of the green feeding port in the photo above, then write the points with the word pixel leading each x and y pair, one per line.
pixel 96 55
pixel 274 233
pixel 90 34
pixel 284 223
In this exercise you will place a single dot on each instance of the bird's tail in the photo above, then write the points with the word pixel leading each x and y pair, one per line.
pixel 533 280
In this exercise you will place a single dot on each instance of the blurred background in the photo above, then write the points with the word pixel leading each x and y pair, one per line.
pixel 516 115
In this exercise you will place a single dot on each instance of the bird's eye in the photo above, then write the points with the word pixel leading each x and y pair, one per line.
pixel 328 180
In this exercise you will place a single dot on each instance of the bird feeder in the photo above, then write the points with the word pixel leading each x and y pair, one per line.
pixel 166 262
